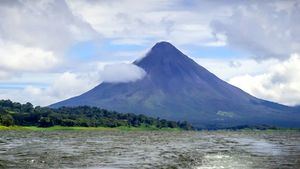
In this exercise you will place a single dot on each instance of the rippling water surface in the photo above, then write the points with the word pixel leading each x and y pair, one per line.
pixel 158 149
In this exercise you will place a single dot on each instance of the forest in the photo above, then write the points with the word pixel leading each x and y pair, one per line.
pixel 14 113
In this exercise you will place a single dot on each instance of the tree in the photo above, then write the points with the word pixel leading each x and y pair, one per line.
pixel 45 122
pixel 6 120
pixel 6 104
pixel 68 122
pixel 28 107
pixel 13 113
pixel 186 126
pixel 172 124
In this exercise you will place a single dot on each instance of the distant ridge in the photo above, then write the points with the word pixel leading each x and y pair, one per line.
pixel 177 88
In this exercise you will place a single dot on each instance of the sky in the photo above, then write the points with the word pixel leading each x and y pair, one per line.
pixel 52 50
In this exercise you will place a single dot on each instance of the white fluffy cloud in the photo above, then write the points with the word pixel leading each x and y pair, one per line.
pixel 64 86
pixel 266 29
pixel 122 72
pixel 280 83
pixel 227 68
pixel 34 35
pixel 142 22
pixel 47 24
pixel 17 58
pixel 69 84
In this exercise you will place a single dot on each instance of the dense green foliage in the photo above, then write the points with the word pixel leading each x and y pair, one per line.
pixel 12 113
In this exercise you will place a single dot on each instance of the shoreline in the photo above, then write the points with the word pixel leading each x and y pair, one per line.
pixel 79 128
pixel 127 128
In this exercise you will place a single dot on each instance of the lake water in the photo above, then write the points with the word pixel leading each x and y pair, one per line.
pixel 157 149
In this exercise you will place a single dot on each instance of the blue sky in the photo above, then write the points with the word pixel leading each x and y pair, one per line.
pixel 90 50
pixel 55 49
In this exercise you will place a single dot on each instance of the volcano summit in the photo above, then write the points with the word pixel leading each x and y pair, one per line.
pixel 177 88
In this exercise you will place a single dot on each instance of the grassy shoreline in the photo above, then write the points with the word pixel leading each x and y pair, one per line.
pixel 76 128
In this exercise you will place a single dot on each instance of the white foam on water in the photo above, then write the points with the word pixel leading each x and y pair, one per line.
pixel 256 146
pixel 219 161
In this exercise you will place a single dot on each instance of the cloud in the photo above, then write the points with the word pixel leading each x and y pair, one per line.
pixel 64 86
pixel 263 28
pixel 70 84
pixel 49 25
pixel 280 83
pixel 16 58
pixel 227 68
pixel 122 73
pixel 143 22
pixel 270 79
pixel 4 75
pixel 34 35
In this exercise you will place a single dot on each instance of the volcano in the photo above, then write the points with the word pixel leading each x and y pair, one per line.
pixel 177 88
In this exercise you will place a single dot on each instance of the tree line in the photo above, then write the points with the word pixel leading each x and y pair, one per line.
pixel 13 113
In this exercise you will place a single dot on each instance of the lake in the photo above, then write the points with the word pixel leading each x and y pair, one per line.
pixel 150 149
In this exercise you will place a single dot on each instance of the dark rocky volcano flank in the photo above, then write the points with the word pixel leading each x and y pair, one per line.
pixel 177 88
